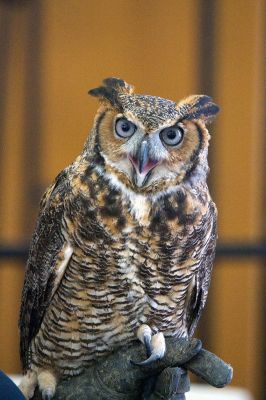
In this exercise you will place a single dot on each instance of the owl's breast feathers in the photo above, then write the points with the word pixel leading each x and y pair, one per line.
pixel 113 259
pixel 159 247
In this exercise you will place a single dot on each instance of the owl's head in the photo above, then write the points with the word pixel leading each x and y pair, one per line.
pixel 150 143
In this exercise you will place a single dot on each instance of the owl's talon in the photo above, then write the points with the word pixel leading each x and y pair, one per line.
pixel 147 342
pixel 157 345
pixel 47 395
pixel 153 357
pixel 144 334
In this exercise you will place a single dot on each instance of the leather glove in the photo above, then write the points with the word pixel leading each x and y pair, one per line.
pixel 116 378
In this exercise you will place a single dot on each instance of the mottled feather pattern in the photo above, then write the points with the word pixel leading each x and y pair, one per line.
pixel 46 244
pixel 142 272
pixel 108 256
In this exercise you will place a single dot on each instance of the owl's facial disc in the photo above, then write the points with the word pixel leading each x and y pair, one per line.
pixel 148 160
pixel 142 164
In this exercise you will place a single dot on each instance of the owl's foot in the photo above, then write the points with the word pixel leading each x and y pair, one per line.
pixel 45 379
pixel 155 345
pixel 47 382
pixel 28 384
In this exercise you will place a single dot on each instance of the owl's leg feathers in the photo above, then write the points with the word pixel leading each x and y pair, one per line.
pixel 28 384
pixel 155 345
pixel 47 382
pixel 45 379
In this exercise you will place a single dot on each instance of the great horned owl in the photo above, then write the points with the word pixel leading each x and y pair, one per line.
pixel 125 239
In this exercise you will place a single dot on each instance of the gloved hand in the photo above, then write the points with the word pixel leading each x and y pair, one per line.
pixel 116 378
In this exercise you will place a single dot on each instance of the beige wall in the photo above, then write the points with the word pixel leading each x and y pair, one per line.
pixel 54 51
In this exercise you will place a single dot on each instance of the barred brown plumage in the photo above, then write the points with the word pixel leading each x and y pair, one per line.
pixel 125 238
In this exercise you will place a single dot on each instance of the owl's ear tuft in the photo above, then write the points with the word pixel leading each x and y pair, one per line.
pixel 109 92
pixel 119 85
pixel 198 107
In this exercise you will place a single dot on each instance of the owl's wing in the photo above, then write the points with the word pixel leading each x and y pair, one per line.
pixel 48 256
pixel 203 277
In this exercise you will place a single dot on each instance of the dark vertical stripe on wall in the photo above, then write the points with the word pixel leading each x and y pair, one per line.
pixel 206 86
pixel 5 28
pixel 32 129
pixel 207 43
pixel 263 306
pixel 207 46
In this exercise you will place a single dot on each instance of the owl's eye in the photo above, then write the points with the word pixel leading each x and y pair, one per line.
pixel 124 128
pixel 172 136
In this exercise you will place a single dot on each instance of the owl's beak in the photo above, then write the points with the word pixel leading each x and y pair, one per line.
pixel 142 164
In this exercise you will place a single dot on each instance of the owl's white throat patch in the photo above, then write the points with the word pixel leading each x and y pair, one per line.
pixel 139 205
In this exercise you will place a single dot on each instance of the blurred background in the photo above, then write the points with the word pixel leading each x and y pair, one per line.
pixel 53 51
